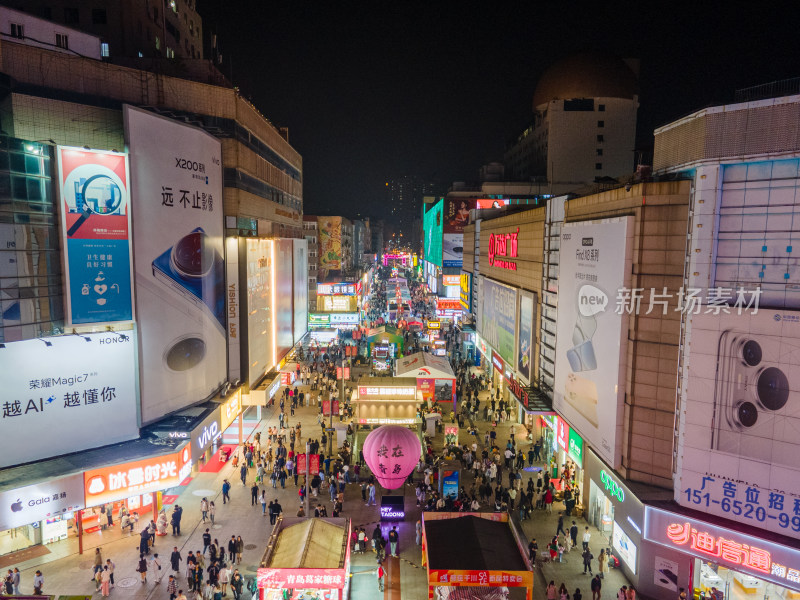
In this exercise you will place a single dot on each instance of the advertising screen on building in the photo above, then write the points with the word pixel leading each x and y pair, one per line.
pixel 740 448
pixel 465 290
pixel 157 473
pixel 336 289
pixel 527 322
pixel 180 271
pixel 590 345
pixel 337 303
pixel 261 351
pixel 45 500
pixel 284 282
pixel 432 224
pixel 300 292
pixel 497 304
pixel 330 243
pixel 316 320
pixel 78 392
pixel 456 217
pixel 95 229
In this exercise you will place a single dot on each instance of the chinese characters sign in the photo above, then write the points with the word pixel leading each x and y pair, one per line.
pixel 300 578
pixel 78 390
pixel 157 473
pixel 95 219
pixel 761 558
pixel 391 452
pixel 481 578
pixel 503 246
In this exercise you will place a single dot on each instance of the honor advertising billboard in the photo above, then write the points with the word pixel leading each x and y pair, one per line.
pixel 79 391
pixel 432 225
pixel 180 271
pixel 591 341
pixel 95 227
pixel 261 326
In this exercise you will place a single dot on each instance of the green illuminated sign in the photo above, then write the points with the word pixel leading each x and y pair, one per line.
pixel 576 447
pixel 432 225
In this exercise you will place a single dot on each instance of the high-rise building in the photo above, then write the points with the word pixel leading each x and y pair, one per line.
pixel 404 197
pixel 128 28
pixel 583 127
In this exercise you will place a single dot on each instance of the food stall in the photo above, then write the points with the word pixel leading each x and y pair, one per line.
pixel 435 378
pixel 482 551
pixel 306 558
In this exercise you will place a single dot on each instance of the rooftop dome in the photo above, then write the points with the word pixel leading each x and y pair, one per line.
pixel 586 76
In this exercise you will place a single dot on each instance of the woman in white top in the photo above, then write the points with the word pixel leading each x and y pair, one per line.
pixel 224 578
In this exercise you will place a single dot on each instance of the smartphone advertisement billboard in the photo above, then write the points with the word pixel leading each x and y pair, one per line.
pixel 432 225
pixel 456 217
pixel 739 455
pixel 180 271
pixel 591 341
pixel 95 229
pixel 284 278
pixel 76 392
pixel 497 304
pixel 300 295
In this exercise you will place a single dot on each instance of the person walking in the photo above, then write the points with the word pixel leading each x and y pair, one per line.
pixel 586 538
pixel 172 587
pixel 232 549
pixel 226 490
pixel 263 500
pixel 254 494
pixel 243 473
pixel 596 586
pixel 175 561
pixel 158 571
pixel 573 533
pixel 371 500
pixel 110 566
pixel 204 509
pixel 237 583
pixel 551 590
pixel 603 564
pixel 212 511
pixel 142 568
pixel 560 528
pixel 394 538
pixel 105 582
pixel 15 580
pixel 98 563
pixel 224 578
pixel 380 573
pixel 38 583
pixel 239 549
pixel 587 560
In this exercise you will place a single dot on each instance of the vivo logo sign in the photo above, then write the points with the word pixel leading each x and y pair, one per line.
pixel 612 487
pixel 182 435
pixel 591 300
pixel 208 435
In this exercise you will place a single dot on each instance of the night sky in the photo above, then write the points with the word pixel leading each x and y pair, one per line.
pixel 372 90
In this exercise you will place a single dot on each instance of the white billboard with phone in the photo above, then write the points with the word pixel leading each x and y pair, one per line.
pixel 739 455
pixel 180 272
pixel 591 342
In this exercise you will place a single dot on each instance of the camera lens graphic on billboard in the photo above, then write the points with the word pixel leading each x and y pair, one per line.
pixel 180 271
pixel 95 219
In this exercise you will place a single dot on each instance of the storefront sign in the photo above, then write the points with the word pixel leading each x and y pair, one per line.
pixel 336 289
pixel 343 319
pixel 278 579
pixel 451 279
pixel 575 449
pixel 367 392
pixel 482 346
pixel 465 291
pixel 611 486
pixel 387 421
pixel 434 325
pixel 519 391
pixel 497 362
pixel 562 434
pixel 319 320
pixel 393 508
pixel 40 501
pixel 154 474
pixel 503 245
pixel 206 433
pixel 448 304
pixel 230 409
pixel 482 578
pixel 740 552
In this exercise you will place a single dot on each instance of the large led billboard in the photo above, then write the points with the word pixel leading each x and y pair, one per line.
pixel 284 310
pixel 329 230
pixel 300 296
pixel 432 225
pixel 591 342
pixel 739 454
pixel 261 326
pixel 69 392
pixel 95 228
pixel 180 272
pixel 497 304
pixel 455 217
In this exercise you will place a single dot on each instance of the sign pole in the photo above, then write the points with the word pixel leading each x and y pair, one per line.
pixel 308 473
pixel 79 522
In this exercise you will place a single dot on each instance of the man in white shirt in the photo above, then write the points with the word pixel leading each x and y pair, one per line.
pixel 586 537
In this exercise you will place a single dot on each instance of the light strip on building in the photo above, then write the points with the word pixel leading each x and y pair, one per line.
pixel 274 311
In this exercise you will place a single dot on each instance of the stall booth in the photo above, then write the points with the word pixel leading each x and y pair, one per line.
pixel 380 401
pixel 306 558
pixel 384 343
pixel 482 551
pixel 434 376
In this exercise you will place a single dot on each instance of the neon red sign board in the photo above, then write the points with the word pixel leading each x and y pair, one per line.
pixel 503 245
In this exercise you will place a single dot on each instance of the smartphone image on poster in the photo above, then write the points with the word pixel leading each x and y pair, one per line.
pixel 756 412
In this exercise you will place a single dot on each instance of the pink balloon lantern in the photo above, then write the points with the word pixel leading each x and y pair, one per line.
pixel 392 452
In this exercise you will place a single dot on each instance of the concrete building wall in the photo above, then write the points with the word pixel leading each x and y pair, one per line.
pixel 42 33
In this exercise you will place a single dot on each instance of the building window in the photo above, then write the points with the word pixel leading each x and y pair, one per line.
pixel 600 138
pixel 599 152
pixel 71 16
pixel 601 107
pixel 601 123
pixel 99 16
pixel 62 41
pixel 598 166
pixel 158 43
pixel 104 50
pixel 18 30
